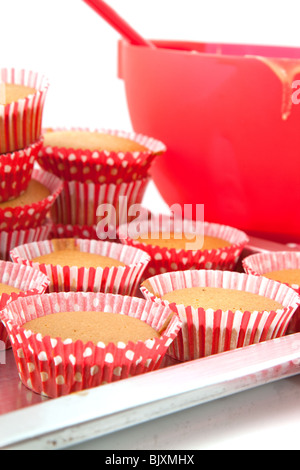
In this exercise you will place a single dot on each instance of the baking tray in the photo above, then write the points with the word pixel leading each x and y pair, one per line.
pixel 32 422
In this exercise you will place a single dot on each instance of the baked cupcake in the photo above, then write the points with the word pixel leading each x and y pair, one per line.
pixel 22 98
pixel 16 171
pixel 30 210
pixel 54 360
pixel 282 267
pixel 85 265
pixel 175 244
pixel 17 281
pixel 222 310
pixel 99 156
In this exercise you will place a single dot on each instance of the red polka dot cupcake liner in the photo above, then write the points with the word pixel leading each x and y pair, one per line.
pixel 16 170
pixel 29 281
pixel 74 231
pixel 101 167
pixel 52 367
pixel 261 263
pixel 35 214
pixel 116 280
pixel 208 332
pixel 88 203
pixel 21 121
pixel 84 232
pixel 165 259
pixel 11 239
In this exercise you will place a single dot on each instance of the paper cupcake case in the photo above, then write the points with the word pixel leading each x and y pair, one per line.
pixel 32 215
pixel 165 259
pixel 117 280
pixel 261 263
pixel 84 232
pixel 52 367
pixel 26 279
pixel 16 170
pixel 207 332
pixel 78 204
pixel 21 121
pixel 74 231
pixel 12 239
pixel 98 167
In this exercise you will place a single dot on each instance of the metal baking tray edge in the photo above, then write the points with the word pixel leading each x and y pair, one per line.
pixel 62 422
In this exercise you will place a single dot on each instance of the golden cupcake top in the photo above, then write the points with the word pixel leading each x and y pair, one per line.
pixel 89 140
pixel 221 298
pixel 6 289
pixel 11 92
pixel 287 276
pixel 67 253
pixel 183 241
pixel 105 327
pixel 34 193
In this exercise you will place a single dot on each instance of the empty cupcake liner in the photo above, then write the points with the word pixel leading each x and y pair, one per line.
pixel 28 280
pixel 52 367
pixel 9 240
pixel 164 259
pixel 207 332
pixel 117 280
pixel 98 167
pixel 35 214
pixel 87 204
pixel 261 263
pixel 21 121
pixel 16 170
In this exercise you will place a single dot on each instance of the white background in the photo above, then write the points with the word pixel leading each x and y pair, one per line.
pixel 77 50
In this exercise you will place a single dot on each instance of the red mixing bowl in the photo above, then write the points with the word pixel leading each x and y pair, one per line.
pixel 230 119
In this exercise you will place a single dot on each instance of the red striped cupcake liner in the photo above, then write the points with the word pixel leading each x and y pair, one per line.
pixel 52 367
pixel 165 259
pixel 78 203
pixel 21 121
pixel 29 281
pixel 99 167
pixel 16 171
pixel 261 263
pixel 14 238
pixel 116 280
pixel 207 332
pixel 35 214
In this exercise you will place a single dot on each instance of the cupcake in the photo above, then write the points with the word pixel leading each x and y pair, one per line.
pixel 222 310
pixel 279 266
pixel 17 281
pixel 85 265
pixel 30 210
pixel 22 98
pixel 98 156
pixel 175 244
pixel 54 360
pixel 16 171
